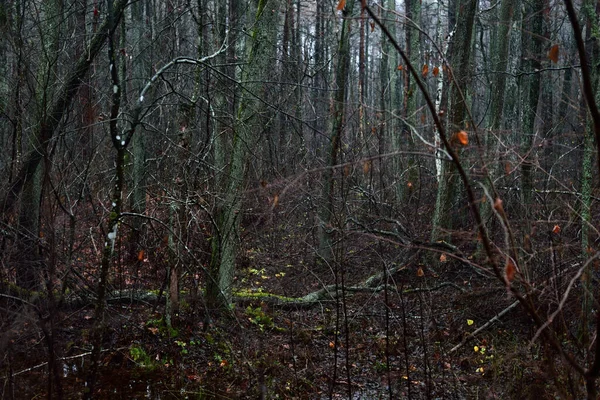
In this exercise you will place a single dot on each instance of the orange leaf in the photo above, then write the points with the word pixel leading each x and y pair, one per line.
pixel 436 71
pixel 410 185
pixel 420 272
pixel 366 167
pixel 463 138
pixel 556 229
pixel 346 170
pixel 553 54
pixel 141 255
pixel 425 70
pixel 400 68
pixel 331 344
pixel 510 270
pixel 275 200
pixel 498 205
pixel 443 257
pixel 341 5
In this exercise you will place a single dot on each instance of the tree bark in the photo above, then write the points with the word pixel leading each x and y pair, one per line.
pixel 260 50
pixel 327 212
pixel 460 49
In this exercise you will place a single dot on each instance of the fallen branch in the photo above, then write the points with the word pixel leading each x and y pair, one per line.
pixel 483 327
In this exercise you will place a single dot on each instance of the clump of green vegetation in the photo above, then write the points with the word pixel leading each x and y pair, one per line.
pixel 259 318
pixel 159 325
pixel 141 357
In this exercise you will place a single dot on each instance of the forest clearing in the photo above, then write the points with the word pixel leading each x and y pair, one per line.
pixel 299 199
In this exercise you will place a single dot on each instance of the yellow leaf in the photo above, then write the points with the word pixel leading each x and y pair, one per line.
pixel 470 322
pixel 341 5
pixel 476 349
pixel 553 54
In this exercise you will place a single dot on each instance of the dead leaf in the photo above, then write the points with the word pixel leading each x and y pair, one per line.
pixel 498 205
pixel 420 272
pixel 443 257
pixel 436 71
pixel 425 70
pixel 366 167
pixel 510 270
pixel 341 5
pixel 553 54
pixel 463 138
pixel 556 229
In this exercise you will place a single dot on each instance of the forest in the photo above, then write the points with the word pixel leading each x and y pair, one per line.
pixel 299 199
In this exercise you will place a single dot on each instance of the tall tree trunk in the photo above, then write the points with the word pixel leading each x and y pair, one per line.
pixel 120 142
pixel 327 212
pixel 499 64
pixel 587 171
pixel 260 50
pixel 141 31
pixel 460 50
pixel 531 45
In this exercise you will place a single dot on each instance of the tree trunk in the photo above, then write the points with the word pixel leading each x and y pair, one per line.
pixel 327 212
pixel 260 51
pixel 460 48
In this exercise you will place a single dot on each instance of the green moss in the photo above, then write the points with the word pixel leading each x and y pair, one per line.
pixel 245 293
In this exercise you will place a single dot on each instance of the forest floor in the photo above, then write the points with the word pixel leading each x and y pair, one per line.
pixel 394 343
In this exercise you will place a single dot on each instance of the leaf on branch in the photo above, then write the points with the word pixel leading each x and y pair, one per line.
pixel 436 71
pixel 366 167
pixel 553 54
pixel 400 68
pixel 346 170
pixel 140 255
pixel 463 138
pixel 460 137
pixel 443 257
pixel 510 270
pixel 420 272
pixel 498 205
pixel 425 70
pixel 341 5
pixel 372 26
pixel 556 229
